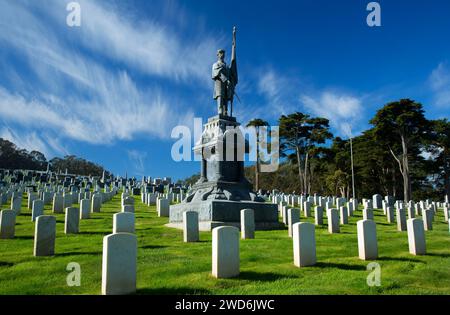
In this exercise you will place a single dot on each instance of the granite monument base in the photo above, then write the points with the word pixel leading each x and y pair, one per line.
pixel 214 213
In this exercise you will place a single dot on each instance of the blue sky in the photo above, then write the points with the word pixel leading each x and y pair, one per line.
pixel 112 90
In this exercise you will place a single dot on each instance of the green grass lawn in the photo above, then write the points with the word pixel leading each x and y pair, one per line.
pixel 166 265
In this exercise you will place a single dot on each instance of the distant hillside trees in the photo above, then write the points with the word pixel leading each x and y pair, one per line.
pixel 12 157
pixel 76 165
pixel 403 155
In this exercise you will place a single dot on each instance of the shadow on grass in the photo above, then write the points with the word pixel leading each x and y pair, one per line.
pixel 95 233
pixel 262 276
pixel 172 291
pixel 25 214
pixel 383 223
pixel 339 266
pixel 400 259
pixel 152 246
pixel 438 255
pixel 6 264
pixel 24 237
pixel 77 254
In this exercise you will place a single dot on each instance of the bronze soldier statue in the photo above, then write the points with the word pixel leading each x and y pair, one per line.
pixel 225 79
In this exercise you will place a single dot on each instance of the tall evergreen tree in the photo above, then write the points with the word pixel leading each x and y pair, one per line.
pixel 401 126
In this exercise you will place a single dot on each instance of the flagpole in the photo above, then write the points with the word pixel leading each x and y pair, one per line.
pixel 353 172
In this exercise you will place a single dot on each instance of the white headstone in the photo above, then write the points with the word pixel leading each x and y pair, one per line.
pixel 80 196
pixel 416 236
pixel 367 239
pixel 151 199
pixel 225 252
pixel 376 201
pixel 119 264
pixel 247 224
pixel 128 208
pixel 350 209
pixel 16 204
pixel 38 209
pixel 307 209
pixel 128 201
pixel 318 215
pixel 68 200
pixel 163 207
pixel 446 213
pixel 190 226
pixel 390 214
pixel 411 212
pixel 401 219
pixel 284 214
pixel 343 215
pixel 333 221
pixel 123 222
pixel 428 219
pixel 367 214
pixel 7 223
pixel 47 197
pixel 85 212
pixel 44 236
pixel 293 217
pixel 31 197
pixel 72 222
pixel 304 241
pixel 96 203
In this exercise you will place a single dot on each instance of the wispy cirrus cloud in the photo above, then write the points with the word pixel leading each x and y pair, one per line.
pixel 276 95
pixel 343 110
pixel 439 81
pixel 79 83
pixel 33 141
pixel 137 158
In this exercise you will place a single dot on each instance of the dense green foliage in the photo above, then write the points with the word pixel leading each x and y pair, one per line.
pixel 166 265
pixel 388 159
pixel 11 157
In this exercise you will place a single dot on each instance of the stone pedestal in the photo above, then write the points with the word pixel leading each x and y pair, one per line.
pixel 222 190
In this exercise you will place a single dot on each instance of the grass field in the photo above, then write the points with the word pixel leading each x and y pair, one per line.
pixel 166 265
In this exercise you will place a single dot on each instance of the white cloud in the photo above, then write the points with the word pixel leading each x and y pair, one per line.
pixel 28 141
pixel 76 96
pixel 137 158
pixel 275 93
pixel 439 81
pixel 344 111
pixel 148 46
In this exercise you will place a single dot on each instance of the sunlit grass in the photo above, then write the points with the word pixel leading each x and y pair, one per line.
pixel 166 265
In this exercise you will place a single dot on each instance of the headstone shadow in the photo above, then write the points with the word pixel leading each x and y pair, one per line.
pixel 173 291
pixel 338 266
pixel 94 233
pixel 152 246
pixel 24 237
pixel 262 276
pixel 437 255
pixel 6 264
pixel 77 253
pixel 400 259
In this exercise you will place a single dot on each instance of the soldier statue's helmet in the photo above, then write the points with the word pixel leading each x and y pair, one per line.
pixel 220 51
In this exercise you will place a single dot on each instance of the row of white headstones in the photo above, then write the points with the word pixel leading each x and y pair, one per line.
pixel 120 248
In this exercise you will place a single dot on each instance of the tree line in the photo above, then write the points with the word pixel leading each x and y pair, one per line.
pixel 12 157
pixel 403 154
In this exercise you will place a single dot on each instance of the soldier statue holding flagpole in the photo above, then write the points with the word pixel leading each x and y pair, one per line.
pixel 225 79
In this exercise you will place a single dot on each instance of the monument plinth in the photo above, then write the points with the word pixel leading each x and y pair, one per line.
pixel 222 190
